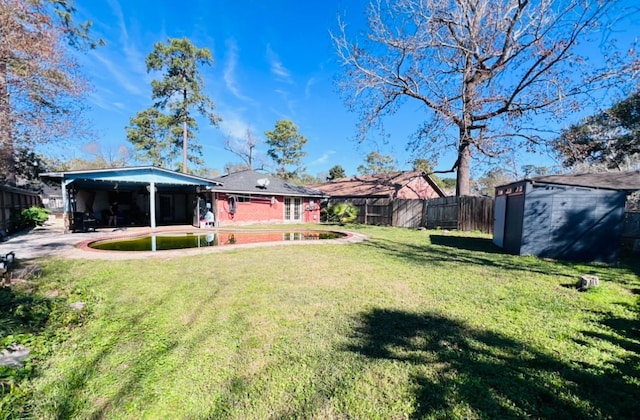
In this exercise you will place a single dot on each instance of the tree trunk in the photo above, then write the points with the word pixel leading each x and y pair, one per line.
pixel 463 184
pixel 184 132
pixel 7 149
pixel 184 147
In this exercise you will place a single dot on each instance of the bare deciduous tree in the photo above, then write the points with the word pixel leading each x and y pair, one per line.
pixel 484 68
pixel 39 83
pixel 244 150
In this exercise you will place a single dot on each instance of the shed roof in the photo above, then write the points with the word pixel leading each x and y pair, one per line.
pixel 378 185
pixel 622 181
pixel 9 188
pixel 247 182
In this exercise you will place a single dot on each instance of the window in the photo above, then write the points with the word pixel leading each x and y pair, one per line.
pixel 244 199
pixel 297 209
pixel 287 209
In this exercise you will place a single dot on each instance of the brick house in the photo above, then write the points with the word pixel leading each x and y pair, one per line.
pixel 404 185
pixel 248 197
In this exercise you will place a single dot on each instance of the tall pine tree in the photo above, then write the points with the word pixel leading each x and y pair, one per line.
pixel 180 91
pixel 285 148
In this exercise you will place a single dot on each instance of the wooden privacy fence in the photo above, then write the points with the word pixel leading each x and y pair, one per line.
pixel 12 202
pixel 461 213
pixel 371 211
pixel 631 230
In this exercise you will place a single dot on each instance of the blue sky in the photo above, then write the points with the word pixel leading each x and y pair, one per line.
pixel 272 60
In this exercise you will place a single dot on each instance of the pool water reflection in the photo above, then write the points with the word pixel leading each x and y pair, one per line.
pixel 168 241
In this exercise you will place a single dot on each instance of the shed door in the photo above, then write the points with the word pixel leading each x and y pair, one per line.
pixel 513 223
pixel 499 216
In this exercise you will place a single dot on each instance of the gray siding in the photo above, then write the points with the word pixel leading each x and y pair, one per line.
pixel 572 223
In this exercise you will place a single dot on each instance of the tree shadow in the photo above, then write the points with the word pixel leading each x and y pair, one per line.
pixel 25 316
pixel 467 243
pixel 478 251
pixel 493 375
pixel 22 312
pixel 622 331
pixel 632 263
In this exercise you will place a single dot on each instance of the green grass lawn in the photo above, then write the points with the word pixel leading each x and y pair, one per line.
pixel 410 324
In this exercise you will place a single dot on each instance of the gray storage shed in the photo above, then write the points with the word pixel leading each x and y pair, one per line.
pixel 571 217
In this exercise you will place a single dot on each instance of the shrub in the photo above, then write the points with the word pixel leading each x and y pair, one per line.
pixel 342 213
pixel 34 216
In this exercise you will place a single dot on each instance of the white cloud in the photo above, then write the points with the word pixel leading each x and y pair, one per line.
pixel 307 88
pixel 279 114
pixel 234 126
pixel 230 70
pixel 324 158
pixel 277 68
pixel 290 103
pixel 99 100
pixel 134 58
pixel 117 10
pixel 118 75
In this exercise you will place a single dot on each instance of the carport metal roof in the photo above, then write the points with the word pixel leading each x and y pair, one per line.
pixel 128 178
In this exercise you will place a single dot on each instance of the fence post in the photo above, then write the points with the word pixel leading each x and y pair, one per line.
pixel 366 210
pixel 393 204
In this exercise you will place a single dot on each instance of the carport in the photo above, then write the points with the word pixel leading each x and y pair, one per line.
pixel 146 195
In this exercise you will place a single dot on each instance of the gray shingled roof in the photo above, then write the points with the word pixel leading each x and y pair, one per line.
pixel 623 181
pixel 247 182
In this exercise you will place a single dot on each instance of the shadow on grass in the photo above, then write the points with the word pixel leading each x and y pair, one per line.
pixel 25 317
pixel 461 250
pixel 632 263
pixel 457 367
pixel 622 331
pixel 456 250
pixel 466 243
pixel 22 313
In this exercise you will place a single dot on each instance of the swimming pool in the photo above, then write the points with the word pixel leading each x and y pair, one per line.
pixel 168 241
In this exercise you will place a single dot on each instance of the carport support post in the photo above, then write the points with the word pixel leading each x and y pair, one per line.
pixel 65 207
pixel 152 204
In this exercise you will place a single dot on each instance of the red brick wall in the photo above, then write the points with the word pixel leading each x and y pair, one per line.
pixel 261 209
